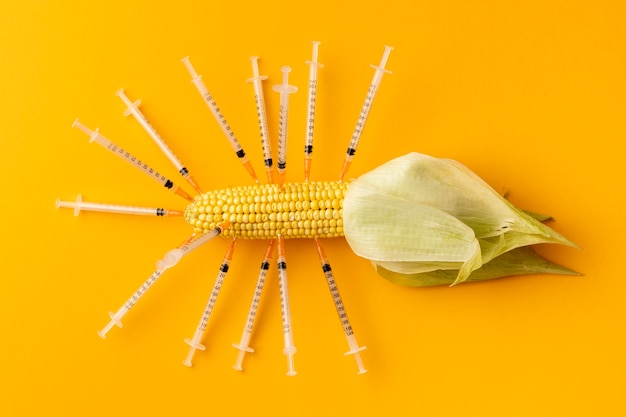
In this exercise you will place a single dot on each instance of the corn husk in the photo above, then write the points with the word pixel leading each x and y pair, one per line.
pixel 520 261
pixel 418 214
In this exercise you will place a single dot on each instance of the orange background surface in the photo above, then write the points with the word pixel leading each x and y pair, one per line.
pixel 530 95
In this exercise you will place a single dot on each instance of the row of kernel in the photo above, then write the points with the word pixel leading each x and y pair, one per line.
pixel 296 191
pixel 275 225
pixel 270 207
pixel 287 233
pixel 328 214
pixel 252 219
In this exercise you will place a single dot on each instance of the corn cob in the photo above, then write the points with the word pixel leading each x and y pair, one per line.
pixel 295 210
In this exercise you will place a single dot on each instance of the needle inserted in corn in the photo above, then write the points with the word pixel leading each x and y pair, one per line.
pixel 195 342
pixel 244 343
pixel 79 205
pixel 365 109
pixel 133 108
pixel 289 349
pixel 262 117
pixel 285 90
pixel 310 119
pixel 170 259
pixel 341 310
pixel 95 136
pixel 219 117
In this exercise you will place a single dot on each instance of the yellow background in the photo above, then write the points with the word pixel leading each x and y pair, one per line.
pixel 530 95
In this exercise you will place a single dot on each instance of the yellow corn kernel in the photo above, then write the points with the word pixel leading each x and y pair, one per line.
pixel 311 210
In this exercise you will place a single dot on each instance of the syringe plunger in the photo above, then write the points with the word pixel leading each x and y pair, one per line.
pixel 355 350
pixel 243 348
pixel 194 345
pixel 115 320
pixel 289 351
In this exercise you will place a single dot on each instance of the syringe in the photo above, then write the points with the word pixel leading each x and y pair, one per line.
pixel 79 205
pixel 170 259
pixel 219 117
pixel 262 116
pixel 133 108
pixel 367 105
pixel 289 349
pixel 244 343
pixel 195 342
pixel 285 90
pixel 134 161
pixel 310 120
pixel 341 310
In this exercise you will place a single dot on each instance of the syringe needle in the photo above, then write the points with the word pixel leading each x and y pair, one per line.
pixel 80 205
pixel 95 136
pixel 243 345
pixel 170 259
pixel 195 342
pixel 341 310
pixel 285 90
pixel 262 116
pixel 133 108
pixel 219 117
pixel 289 349
pixel 310 120
pixel 365 109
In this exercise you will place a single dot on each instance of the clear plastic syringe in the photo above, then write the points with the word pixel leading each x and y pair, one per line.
pixel 285 90
pixel 79 205
pixel 133 108
pixel 134 161
pixel 170 259
pixel 341 310
pixel 310 120
pixel 219 117
pixel 289 349
pixel 195 342
pixel 244 344
pixel 262 116
pixel 367 105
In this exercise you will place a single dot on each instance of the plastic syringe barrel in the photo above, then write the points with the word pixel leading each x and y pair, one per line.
pixel 289 348
pixel 365 109
pixel 133 109
pixel 170 259
pixel 79 205
pixel 95 136
pixel 194 343
pixel 256 80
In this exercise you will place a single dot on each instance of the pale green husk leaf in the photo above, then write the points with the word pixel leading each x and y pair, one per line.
pixel 520 261
pixel 381 226
pixel 418 213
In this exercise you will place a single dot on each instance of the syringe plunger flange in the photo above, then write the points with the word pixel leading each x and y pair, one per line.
pixel 285 87
pixel 133 107
pixel 194 345
pixel 115 320
pixel 76 205
pixel 355 350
